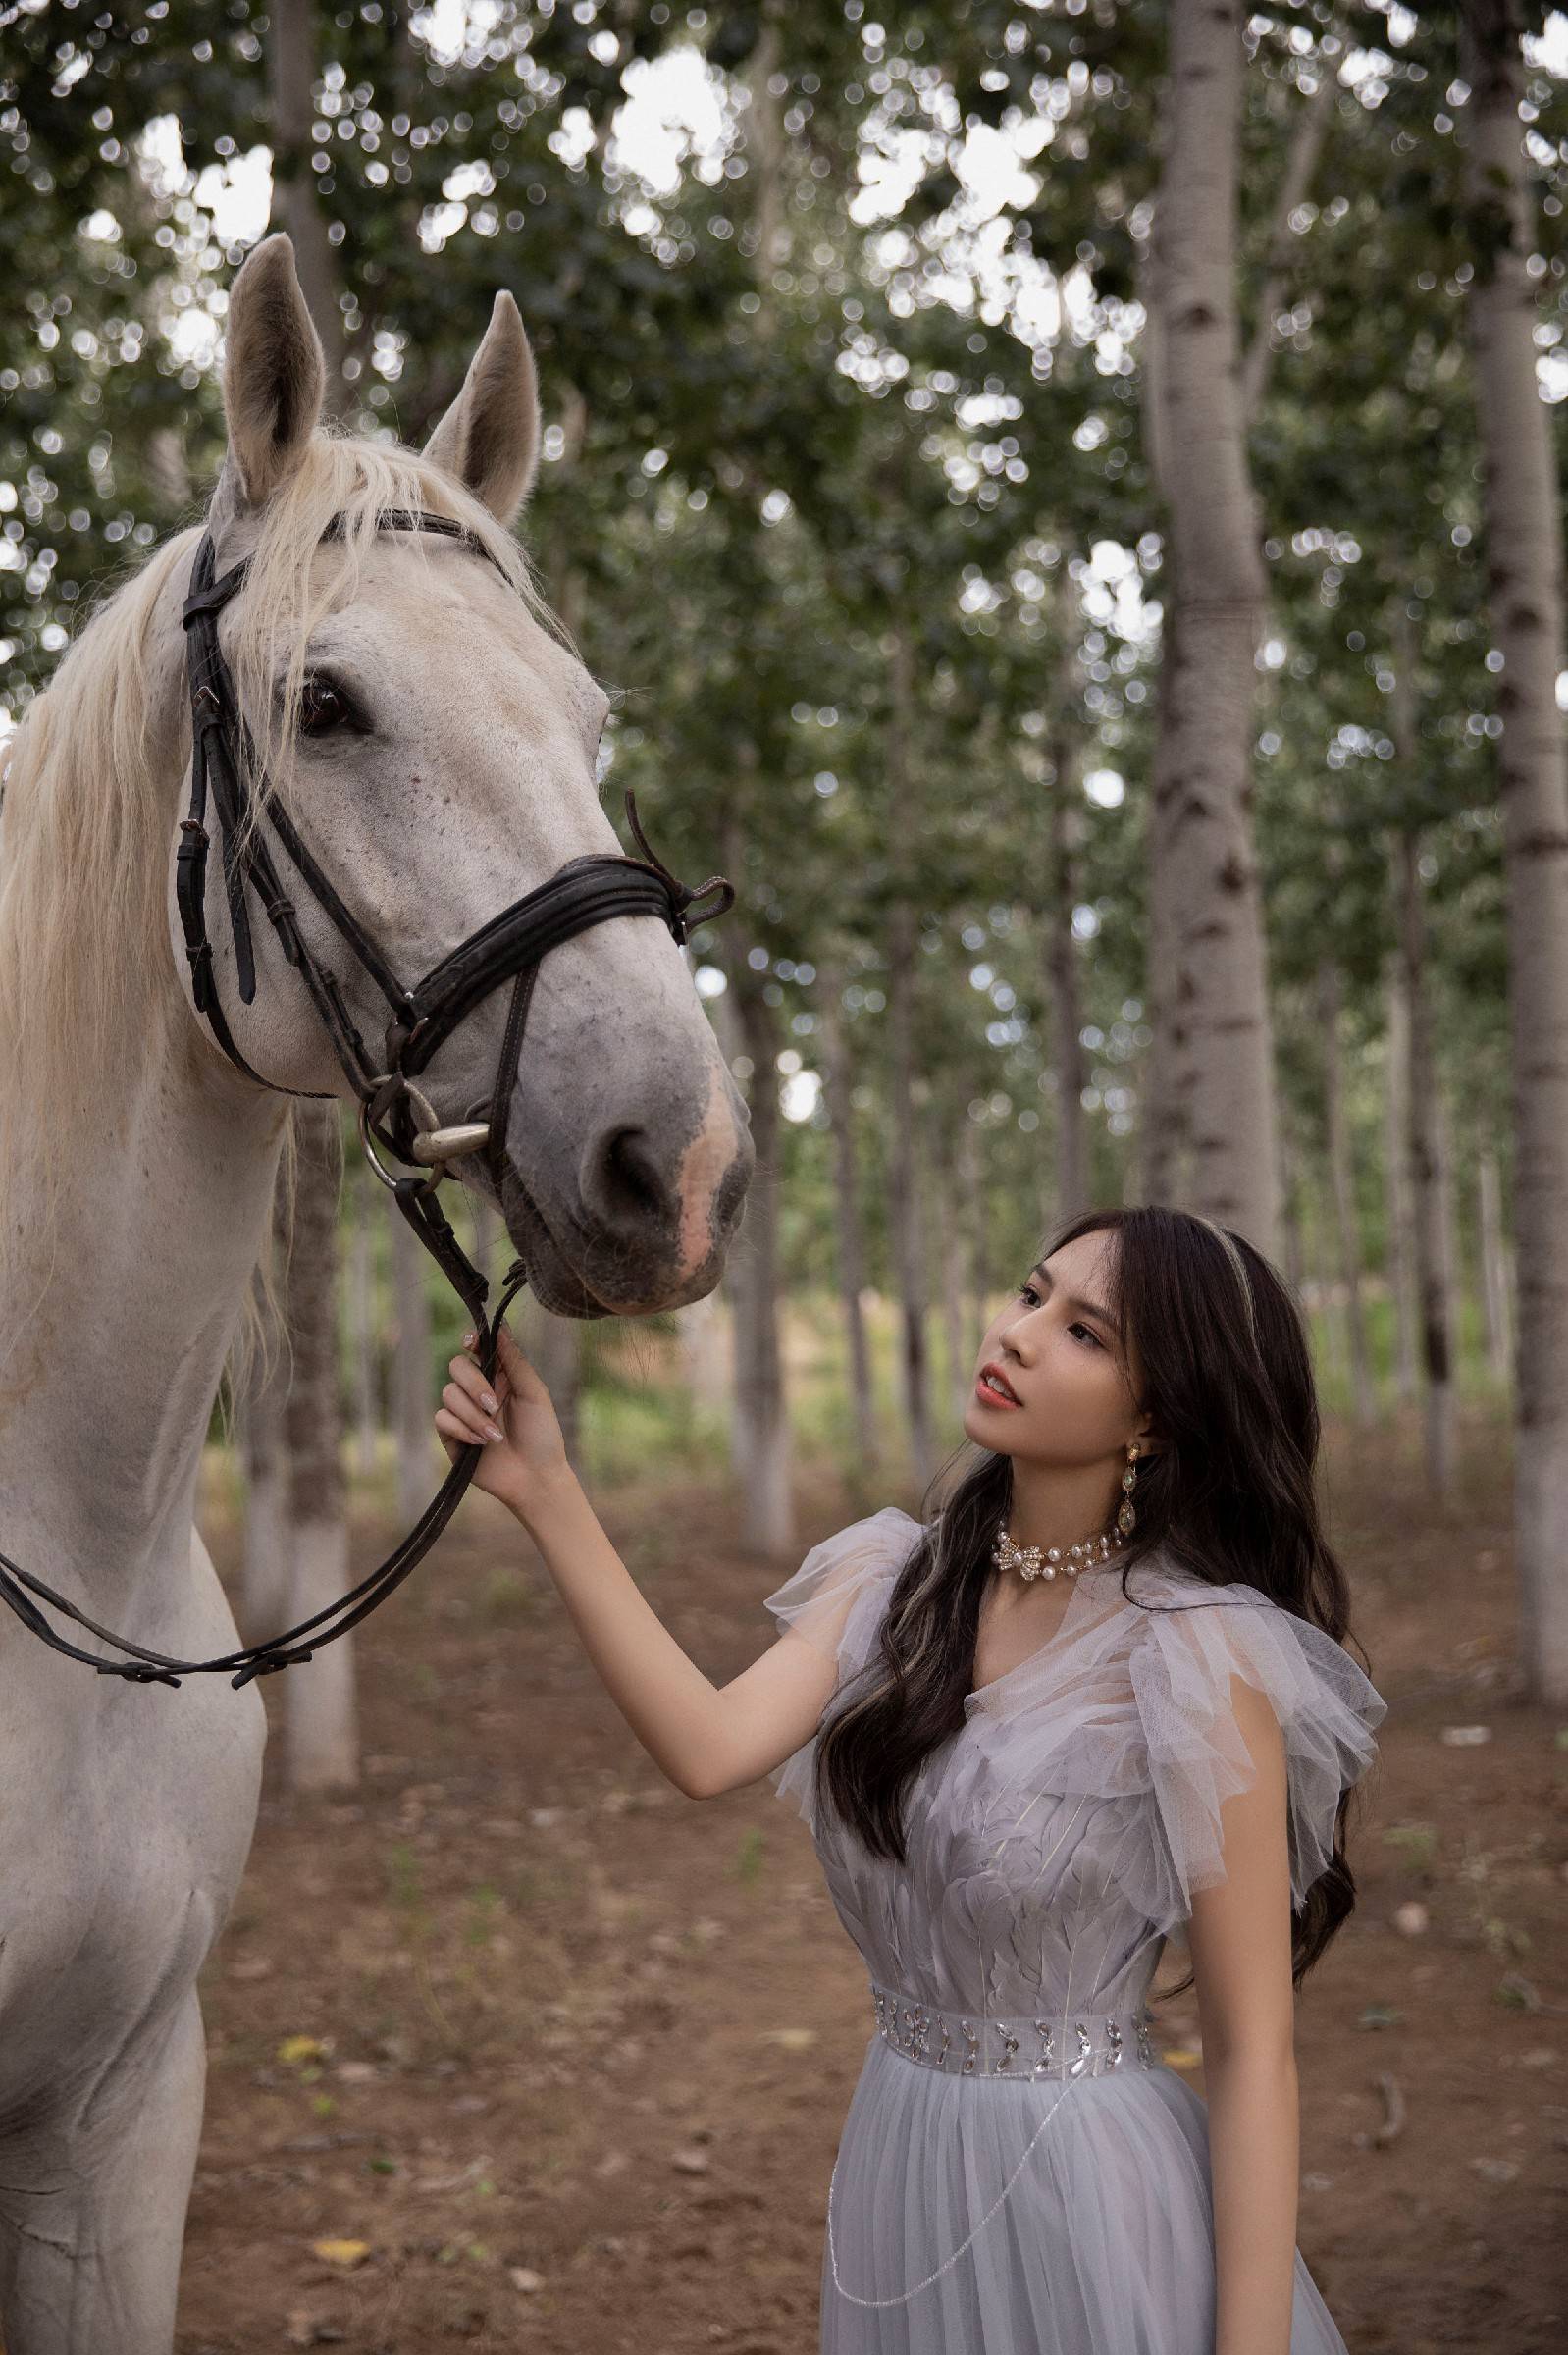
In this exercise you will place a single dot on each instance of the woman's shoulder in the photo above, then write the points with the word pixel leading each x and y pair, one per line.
pixel 1195 1637
pixel 819 1599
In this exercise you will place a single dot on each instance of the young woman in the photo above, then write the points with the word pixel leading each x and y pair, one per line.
pixel 1098 1697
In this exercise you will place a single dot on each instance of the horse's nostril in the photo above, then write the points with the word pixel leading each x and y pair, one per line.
pixel 625 1182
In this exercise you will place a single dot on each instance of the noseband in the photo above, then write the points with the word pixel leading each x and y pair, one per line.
pixel 393 1112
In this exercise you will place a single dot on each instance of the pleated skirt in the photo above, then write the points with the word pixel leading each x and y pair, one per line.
pixel 1028 2219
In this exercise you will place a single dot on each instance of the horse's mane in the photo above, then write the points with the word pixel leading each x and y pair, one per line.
pixel 90 790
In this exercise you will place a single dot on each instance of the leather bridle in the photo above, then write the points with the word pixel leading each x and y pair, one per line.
pixel 585 891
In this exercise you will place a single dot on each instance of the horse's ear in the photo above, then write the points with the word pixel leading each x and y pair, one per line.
pixel 273 374
pixel 489 438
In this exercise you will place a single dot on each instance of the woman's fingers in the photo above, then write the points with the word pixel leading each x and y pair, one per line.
pixel 472 1380
pixel 466 1407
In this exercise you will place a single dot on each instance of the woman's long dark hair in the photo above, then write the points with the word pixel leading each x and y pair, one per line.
pixel 1228 1496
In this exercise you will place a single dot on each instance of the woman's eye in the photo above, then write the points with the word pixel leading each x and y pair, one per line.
pixel 322 708
pixel 1027 1291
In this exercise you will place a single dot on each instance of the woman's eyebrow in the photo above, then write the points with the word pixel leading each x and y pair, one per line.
pixel 1090 1308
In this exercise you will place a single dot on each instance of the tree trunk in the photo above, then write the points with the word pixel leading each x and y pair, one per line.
pixel 414 1438
pixel 1159 1147
pixel 1453 1274
pixel 1401 1257
pixel 904 1164
pixel 942 1253
pixel 1342 1193
pixel 1163 1137
pixel 1216 604
pixel 1492 1252
pixel 838 1083
pixel 1313 115
pixel 1424 1161
pixel 554 1347
pixel 321 1739
pixel 362 1320
pixel 760 1426
pixel 1522 502
pixel 1292 1243
pixel 972 1183
pixel 1063 836
pixel 706 1352
pixel 265 1579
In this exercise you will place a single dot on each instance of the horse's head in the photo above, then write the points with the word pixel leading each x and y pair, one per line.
pixel 433 739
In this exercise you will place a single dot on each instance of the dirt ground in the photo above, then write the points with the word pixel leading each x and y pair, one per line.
pixel 518 2048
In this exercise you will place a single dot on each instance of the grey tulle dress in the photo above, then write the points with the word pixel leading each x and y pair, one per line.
pixel 1019 2171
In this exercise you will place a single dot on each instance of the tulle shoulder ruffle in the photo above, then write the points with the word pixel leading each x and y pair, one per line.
pixel 833 1598
pixel 836 1599
pixel 1129 1700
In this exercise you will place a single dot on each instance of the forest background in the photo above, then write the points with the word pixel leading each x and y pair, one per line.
pixel 856 350
pixel 843 331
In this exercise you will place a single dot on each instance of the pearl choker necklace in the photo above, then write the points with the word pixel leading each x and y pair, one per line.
pixel 1034 1561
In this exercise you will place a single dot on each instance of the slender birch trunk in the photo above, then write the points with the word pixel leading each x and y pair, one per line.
pixel 361 1274
pixel 321 1740
pixel 1424 1161
pixel 971 1183
pixel 943 1253
pixel 1522 499
pixel 1065 837
pixel 1449 1243
pixel 1343 1194
pixel 838 1083
pixel 1283 247
pixel 903 1168
pixel 1219 980
pixel 761 1424
pixel 414 1393
pixel 1293 1243
pixel 265 1577
pixel 1496 1307
pixel 1401 1258
pixel 705 1352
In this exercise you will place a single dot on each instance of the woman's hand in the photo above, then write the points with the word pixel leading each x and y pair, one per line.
pixel 514 1423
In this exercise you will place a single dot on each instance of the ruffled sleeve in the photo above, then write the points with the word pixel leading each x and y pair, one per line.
pixel 1182 1665
pixel 835 1600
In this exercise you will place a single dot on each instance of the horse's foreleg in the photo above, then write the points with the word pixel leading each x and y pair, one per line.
pixel 90 2248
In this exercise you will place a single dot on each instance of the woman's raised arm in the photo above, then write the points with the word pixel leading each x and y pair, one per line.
pixel 707 1739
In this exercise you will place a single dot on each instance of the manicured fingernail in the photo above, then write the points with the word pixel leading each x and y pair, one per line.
pixel 468 1340
pixel 493 1431
pixel 488 1403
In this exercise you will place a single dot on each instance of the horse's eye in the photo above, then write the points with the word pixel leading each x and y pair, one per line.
pixel 322 708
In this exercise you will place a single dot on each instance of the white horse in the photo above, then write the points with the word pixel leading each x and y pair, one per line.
pixel 139 1169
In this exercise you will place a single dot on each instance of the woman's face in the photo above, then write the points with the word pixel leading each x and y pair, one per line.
pixel 1056 1347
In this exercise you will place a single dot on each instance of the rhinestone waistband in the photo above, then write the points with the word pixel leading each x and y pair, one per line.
pixel 970 2045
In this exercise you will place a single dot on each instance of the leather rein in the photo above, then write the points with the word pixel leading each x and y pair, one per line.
pixel 585 891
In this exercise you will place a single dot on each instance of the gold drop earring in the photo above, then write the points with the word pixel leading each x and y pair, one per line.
pixel 1126 1515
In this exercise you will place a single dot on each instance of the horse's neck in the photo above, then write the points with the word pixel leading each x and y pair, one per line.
pixel 106 1390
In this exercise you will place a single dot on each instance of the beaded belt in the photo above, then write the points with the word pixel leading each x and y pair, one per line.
pixel 972 2046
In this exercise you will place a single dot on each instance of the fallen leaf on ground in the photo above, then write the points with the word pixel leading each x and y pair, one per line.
pixel 302 2047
